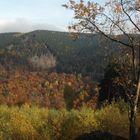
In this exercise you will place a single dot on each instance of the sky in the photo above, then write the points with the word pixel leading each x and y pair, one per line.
pixel 29 15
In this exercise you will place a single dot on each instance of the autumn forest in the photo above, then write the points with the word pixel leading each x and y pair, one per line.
pixel 79 84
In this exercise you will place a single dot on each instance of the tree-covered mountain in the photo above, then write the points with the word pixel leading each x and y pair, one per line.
pixel 56 51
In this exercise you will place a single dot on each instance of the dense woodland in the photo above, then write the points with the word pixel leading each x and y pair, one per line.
pixel 63 54
pixel 41 66
pixel 74 86
pixel 36 71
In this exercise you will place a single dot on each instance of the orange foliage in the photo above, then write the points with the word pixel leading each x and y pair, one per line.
pixel 42 89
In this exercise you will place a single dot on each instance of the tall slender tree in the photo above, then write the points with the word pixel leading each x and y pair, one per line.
pixel 118 21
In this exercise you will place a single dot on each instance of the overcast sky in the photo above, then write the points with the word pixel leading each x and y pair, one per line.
pixel 28 15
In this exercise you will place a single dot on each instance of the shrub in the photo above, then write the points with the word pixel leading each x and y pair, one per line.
pixel 32 123
pixel 55 121
pixel 78 122
pixel 113 118
pixel 38 118
pixel 21 126
pixel 5 129
pixel 23 123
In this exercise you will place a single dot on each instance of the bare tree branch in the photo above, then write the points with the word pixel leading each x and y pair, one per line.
pixel 129 17
pixel 109 37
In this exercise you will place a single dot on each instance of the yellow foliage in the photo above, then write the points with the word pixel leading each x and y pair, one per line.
pixel 78 122
pixel 114 120
pixel 33 123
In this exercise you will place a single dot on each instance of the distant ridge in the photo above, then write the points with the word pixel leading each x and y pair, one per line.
pixel 87 55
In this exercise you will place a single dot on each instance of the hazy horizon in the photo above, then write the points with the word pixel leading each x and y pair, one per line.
pixel 29 15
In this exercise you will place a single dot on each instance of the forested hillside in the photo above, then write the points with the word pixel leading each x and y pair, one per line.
pixel 55 51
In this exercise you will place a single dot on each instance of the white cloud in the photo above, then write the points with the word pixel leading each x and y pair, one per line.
pixel 25 25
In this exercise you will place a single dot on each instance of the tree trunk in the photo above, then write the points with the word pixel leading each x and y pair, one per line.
pixel 132 126
pixel 133 115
